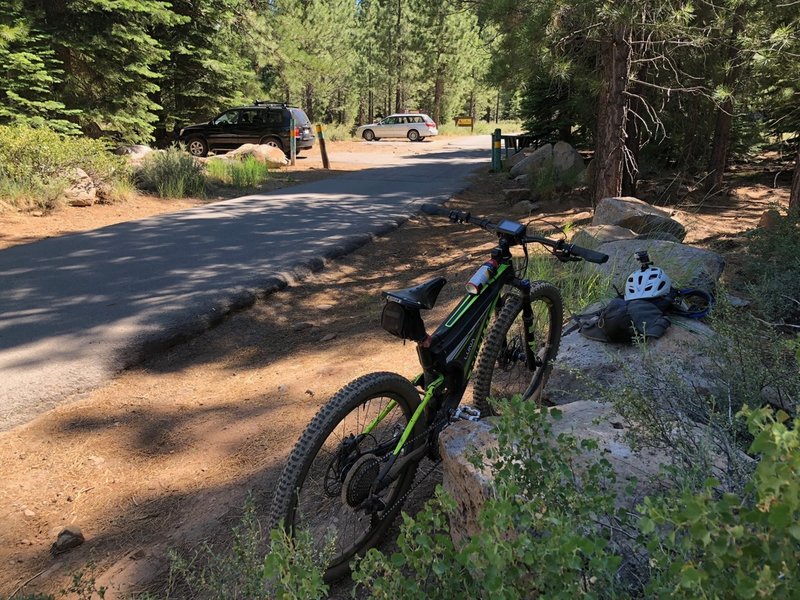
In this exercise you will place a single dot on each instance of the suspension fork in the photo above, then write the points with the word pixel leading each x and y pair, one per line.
pixel 524 286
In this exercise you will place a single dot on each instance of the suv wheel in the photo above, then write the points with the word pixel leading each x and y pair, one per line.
pixel 271 141
pixel 368 135
pixel 413 135
pixel 197 146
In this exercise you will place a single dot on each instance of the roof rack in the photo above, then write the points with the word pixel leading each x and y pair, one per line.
pixel 268 103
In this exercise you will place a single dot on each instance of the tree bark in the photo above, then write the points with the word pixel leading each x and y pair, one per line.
pixel 794 195
pixel 609 154
pixel 633 135
pixel 722 129
pixel 438 90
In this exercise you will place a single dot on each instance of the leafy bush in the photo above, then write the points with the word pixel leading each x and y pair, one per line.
pixel 773 270
pixel 546 532
pixel 245 173
pixel 338 133
pixel 172 173
pixel 481 128
pixel 35 165
pixel 291 569
pixel 580 287
pixel 706 546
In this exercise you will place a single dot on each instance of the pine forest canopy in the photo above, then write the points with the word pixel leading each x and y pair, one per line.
pixel 679 82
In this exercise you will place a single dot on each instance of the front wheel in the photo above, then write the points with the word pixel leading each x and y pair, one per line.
pixel 197 146
pixel 329 473
pixel 503 370
pixel 368 135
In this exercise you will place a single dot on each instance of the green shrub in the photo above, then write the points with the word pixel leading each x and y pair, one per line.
pixel 292 568
pixel 481 128
pixel 35 165
pixel 580 287
pixel 245 173
pixel 704 545
pixel 773 271
pixel 172 173
pixel 338 133
pixel 545 532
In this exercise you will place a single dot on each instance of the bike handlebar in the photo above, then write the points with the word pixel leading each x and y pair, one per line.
pixel 562 249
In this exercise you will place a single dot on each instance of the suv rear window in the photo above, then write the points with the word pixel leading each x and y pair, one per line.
pixel 300 117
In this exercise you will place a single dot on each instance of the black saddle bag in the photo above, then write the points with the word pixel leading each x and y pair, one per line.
pixel 403 321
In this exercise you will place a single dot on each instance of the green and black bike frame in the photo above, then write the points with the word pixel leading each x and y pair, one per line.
pixel 447 358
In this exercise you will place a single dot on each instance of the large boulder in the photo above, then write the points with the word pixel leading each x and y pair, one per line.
pixel 687 266
pixel 470 486
pixel 592 236
pixel 636 215
pixel 80 190
pixel 568 164
pixel 535 160
pixel 269 155
pixel 584 366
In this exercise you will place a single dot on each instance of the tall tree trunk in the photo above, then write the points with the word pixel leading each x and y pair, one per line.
pixel 438 90
pixel 609 154
pixel 722 129
pixel 794 195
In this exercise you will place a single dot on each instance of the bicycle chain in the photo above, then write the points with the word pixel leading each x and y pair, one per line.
pixel 419 481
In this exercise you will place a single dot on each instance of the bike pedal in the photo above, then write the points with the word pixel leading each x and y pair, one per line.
pixel 466 413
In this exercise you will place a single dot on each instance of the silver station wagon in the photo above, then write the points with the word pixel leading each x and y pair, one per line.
pixel 414 126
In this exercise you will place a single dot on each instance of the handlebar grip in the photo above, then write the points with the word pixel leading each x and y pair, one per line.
pixel 586 254
pixel 435 209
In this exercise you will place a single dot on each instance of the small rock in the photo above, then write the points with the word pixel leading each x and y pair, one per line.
pixel 37 213
pixel 737 302
pixel 329 337
pixel 70 537
pixel 515 195
pixel 302 326
pixel 26 543
pixel 29 513
pixel 96 460
pixel 771 219
pixel 524 207
pixel 310 393
pixel 281 389
pixel 324 306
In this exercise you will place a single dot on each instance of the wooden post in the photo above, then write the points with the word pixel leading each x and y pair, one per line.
pixel 292 142
pixel 496 162
pixel 322 148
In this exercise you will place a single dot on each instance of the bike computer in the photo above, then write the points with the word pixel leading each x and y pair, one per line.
pixel 511 228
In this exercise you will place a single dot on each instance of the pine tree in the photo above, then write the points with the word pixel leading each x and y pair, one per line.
pixel 29 74
pixel 110 60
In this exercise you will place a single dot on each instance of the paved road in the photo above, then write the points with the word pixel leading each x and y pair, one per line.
pixel 76 309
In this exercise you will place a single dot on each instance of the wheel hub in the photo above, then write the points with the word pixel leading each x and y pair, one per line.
pixel 358 483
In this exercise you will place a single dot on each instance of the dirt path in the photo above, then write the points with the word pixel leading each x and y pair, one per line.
pixel 163 456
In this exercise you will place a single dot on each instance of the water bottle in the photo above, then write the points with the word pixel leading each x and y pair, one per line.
pixel 481 277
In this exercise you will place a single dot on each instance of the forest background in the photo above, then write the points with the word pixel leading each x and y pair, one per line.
pixel 679 83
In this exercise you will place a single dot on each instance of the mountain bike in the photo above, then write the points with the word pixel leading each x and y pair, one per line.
pixel 354 465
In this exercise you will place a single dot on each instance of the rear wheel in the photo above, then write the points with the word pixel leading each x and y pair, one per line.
pixel 413 135
pixel 368 135
pixel 331 468
pixel 271 141
pixel 502 370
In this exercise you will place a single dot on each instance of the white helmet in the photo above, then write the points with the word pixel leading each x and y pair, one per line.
pixel 650 282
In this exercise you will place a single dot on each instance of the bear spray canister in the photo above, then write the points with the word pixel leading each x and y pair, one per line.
pixel 481 277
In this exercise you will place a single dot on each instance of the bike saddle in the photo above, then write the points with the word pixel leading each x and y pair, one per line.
pixel 420 296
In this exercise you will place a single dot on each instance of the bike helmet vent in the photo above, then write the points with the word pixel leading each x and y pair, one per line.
pixel 652 282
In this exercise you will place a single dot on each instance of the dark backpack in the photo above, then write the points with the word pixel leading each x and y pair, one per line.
pixel 622 321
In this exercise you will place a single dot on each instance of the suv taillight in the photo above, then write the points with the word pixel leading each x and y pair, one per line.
pixel 297 132
pixel 431 125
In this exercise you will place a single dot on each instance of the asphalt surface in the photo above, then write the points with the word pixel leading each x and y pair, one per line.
pixel 76 309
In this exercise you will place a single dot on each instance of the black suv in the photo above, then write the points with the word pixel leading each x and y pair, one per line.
pixel 262 123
